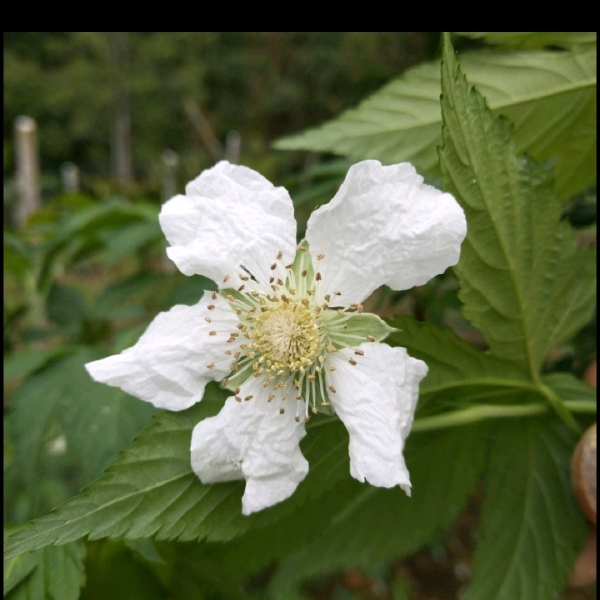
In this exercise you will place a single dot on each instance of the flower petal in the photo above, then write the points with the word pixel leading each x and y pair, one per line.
pixel 231 216
pixel 252 440
pixel 179 353
pixel 384 226
pixel 376 400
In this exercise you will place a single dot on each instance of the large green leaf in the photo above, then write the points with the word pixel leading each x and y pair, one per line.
pixel 533 39
pixel 523 282
pixel 550 96
pixel 531 526
pixel 151 489
pixel 378 524
pixel 96 420
pixel 52 573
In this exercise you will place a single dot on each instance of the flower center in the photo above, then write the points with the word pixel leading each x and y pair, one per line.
pixel 287 337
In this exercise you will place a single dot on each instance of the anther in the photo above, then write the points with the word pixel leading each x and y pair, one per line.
pixel 210 366
pixel 281 410
pixel 241 287
pixel 332 389
pixel 225 382
pixel 297 418
pixel 314 409
pixel 304 273
pixel 279 255
pixel 325 403
pixel 318 276
pixel 271 279
pixel 211 307
pixel 327 298
pixel 208 319
pixel 212 333
pixel 359 352
pixel 248 398
pixel 238 399
pixel 214 295
pixel 370 338
pixel 230 298
pixel 320 256
pixel 289 266
pixel 331 349
pixel 340 312
pixel 271 398
pixel 331 368
pixel 243 277
pixel 279 282
pixel 352 361
pixel 273 266
pixel 226 279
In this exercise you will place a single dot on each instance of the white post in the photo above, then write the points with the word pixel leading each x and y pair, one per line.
pixel 69 174
pixel 233 144
pixel 27 169
pixel 170 161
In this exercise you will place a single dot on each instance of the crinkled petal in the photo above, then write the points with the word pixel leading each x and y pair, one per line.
pixel 376 400
pixel 251 439
pixel 231 216
pixel 384 226
pixel 179 353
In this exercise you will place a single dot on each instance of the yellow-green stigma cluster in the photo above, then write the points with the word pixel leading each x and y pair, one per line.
pixel 286 331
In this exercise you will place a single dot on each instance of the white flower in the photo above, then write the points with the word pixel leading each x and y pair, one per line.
pixel 286 331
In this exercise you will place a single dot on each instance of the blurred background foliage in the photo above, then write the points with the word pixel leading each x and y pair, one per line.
pixel 86 271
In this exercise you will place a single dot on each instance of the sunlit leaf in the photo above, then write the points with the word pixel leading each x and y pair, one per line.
pixel 549 96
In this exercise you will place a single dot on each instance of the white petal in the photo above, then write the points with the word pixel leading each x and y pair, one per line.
pixel 384 226
pixel 176 357
pixel 252 440
pixel 231 216
pixel 376 400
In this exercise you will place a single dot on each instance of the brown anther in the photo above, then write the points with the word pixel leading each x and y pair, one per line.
pixel 241 287
pixel 304 273
pixel 234 366
pixel 297 384
pixel 279 282
pixel 320 256
pixel 298 397
pixel 310 292
pixel 359 309
pixel 208 319
pixel 332 389
pixel 226 279
pixel 370 338
pixel 265 383
pixel 210 366
pixel 313 409
pixel 302 249
pixel 289 266
pixel 211 307
pixel 325 403
pixel 352 361
pixel 248 398
pixel 279 255
pixel 243 277
pixel 236 355
pixel 238 311
pixel 292 291
pixel 327 298
pixel 271 279
pixel 238 399
pixel 271 398
pixel 331 368
pixel 225 382
pixel 230 298
pixel 297 418
pixel 212 333
pixel 273 266
pixel 274 287
pixel 231 339
pixel 311 377
pixel 214 295
pixel 340 312
pixel 359 352
pixel 318 276
pixel 237 390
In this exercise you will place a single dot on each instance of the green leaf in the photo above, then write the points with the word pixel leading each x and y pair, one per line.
pixel 450 359
pixel 151 490
pixel 550 96
pixel 531 526
pixel 568 387
pixel 26 362
pixel 55 573
pixel 378 524
pixel 533 39
pixel 523 282
pixel 17 568
pixel 97 421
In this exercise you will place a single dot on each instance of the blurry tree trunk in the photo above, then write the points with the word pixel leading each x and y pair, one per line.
pixel 203 128
pixel 120 143
pixel 28 186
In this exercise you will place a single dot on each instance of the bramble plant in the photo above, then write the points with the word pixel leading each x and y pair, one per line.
pixel 269 330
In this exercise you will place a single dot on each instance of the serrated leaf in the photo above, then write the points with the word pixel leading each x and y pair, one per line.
pixel 17 568
pixel 58 574
pixel 550 96
pixel 378 524
pixel 523 282
pixel 533 39
pixel 531 526
pixel 152 491
pixel 97 421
